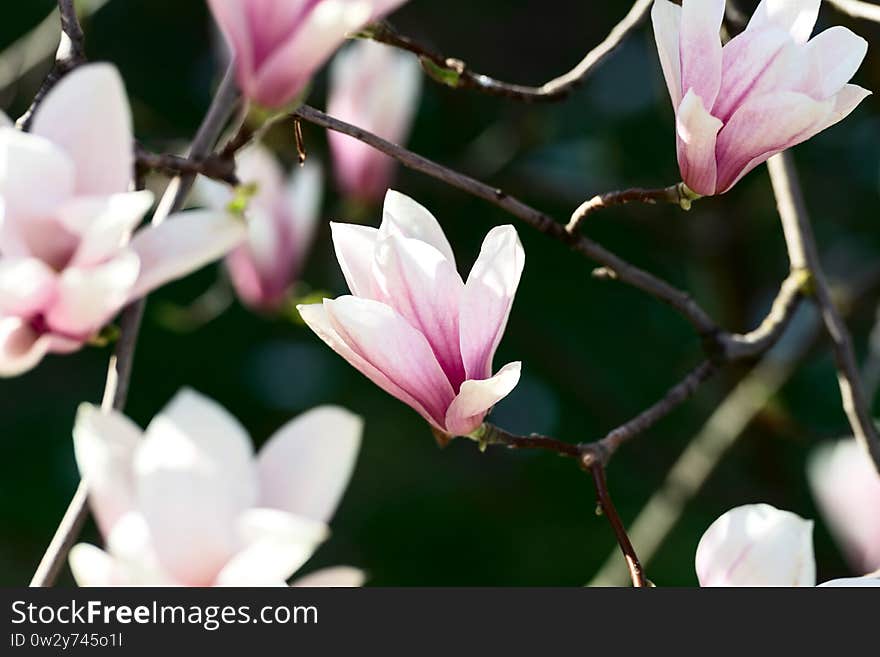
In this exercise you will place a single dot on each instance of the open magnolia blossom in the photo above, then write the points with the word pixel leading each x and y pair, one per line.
pixel 68 261
pixel 281 221
pixel 187 503
pixel 771 87
pixel 759 545
pixel 279 44
pixel 847 489
pixel 412 326
pixel 377 88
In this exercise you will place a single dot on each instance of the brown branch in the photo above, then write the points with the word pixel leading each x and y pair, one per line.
pixel 804 254
pixel 213 166
pixel 119 371
pixel 675 194
pixel 857 9
pixel 455 73
pixel 71 53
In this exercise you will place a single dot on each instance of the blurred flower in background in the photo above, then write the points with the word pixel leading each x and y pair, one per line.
pixel 376 88
pixel 847 489
pixel 768 89
pixel 282 216
pixel 187 503
pixel 412 326
pixel 279 44
pixel 69 262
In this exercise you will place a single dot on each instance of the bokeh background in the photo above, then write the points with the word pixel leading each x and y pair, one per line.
pixel 594 353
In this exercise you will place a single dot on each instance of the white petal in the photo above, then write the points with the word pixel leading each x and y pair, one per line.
pixel 834 56
pixel 411 219
pixel 697 132
pixel 35 176
pixel 852 582
pixel 96 133
pixel 21 349
pixel 666 18
pixel 276 543
pixel 27 285
pixel 355 249
pixel 88 297
pixel 336 577
pixel 488 297
pixel 757 545
pixel 196 474
pixel 305 467
pixel 798 17
pixel 182 244
pixel 700 48
pixel 91 566
pixel 302 197
pixel 476 399
pixel 105 444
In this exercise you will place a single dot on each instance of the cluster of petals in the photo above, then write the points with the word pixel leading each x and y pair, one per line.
pixel 70 258
pixel 278 45
pixel 412 326
pixel 760 545
pixel 188 503
pixel 377 88
pixel 282 216
pixel 768 89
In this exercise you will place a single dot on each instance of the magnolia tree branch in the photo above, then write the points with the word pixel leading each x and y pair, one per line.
pixel 455 73
pixel 805 255
pixel 119 371
pixel 857 9
pixel 214 167
pixel 676 194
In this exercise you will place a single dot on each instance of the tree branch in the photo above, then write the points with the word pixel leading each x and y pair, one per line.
pixel 215 167
pixel 675 194
pixel 804 254
pixel 455 73
pixel 857 9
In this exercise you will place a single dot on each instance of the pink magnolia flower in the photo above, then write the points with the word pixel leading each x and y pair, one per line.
pixel 412 326
pixel 847 489
pixel 281 221
pixel 759 545
pixel 187 503
pixel 768 89
pixel 68 262
pixel 279 44
pixel 376 88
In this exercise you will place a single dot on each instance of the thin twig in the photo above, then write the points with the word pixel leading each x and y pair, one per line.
pixel 857 9
pixel 675 194
pixel 71 53
pixel 213 166
pixel 804 254
pixel 119 372
pixel 455 73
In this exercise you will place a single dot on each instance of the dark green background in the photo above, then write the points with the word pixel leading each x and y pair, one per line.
pixel 594 353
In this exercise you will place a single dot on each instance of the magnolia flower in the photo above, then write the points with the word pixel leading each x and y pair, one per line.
pixel 377 88
pixel 759 545
pixel 68 262
pixel 412 326
pixel 279 44
pixel 187 503
pixel 847 489
pixel 281 220
pixel 767 90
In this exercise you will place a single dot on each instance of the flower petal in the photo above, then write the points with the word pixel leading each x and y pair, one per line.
pixel 92 567
pixel 380 344
pixel 423 286
pixel 21 348
pixel 697 132
pixel 355 249
pixel 488 297
pixel 35 176
pixel 852 582
pixel 276 543
pixel 850 97
pixel 302 198
pixel 105 444
pixel 757 545
pixel 700 48
pixel 232 20
pixel 87 297
pixel 797 17
pixel 104 224
pixel 755 133
pixel 97 135
pixel 476 399
pixel 336 577
pixel 666 18
pixel 182 244
pixel 27 285
pixel 834 57
pixel 404 215
pixel 305 467
pixel 195 476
